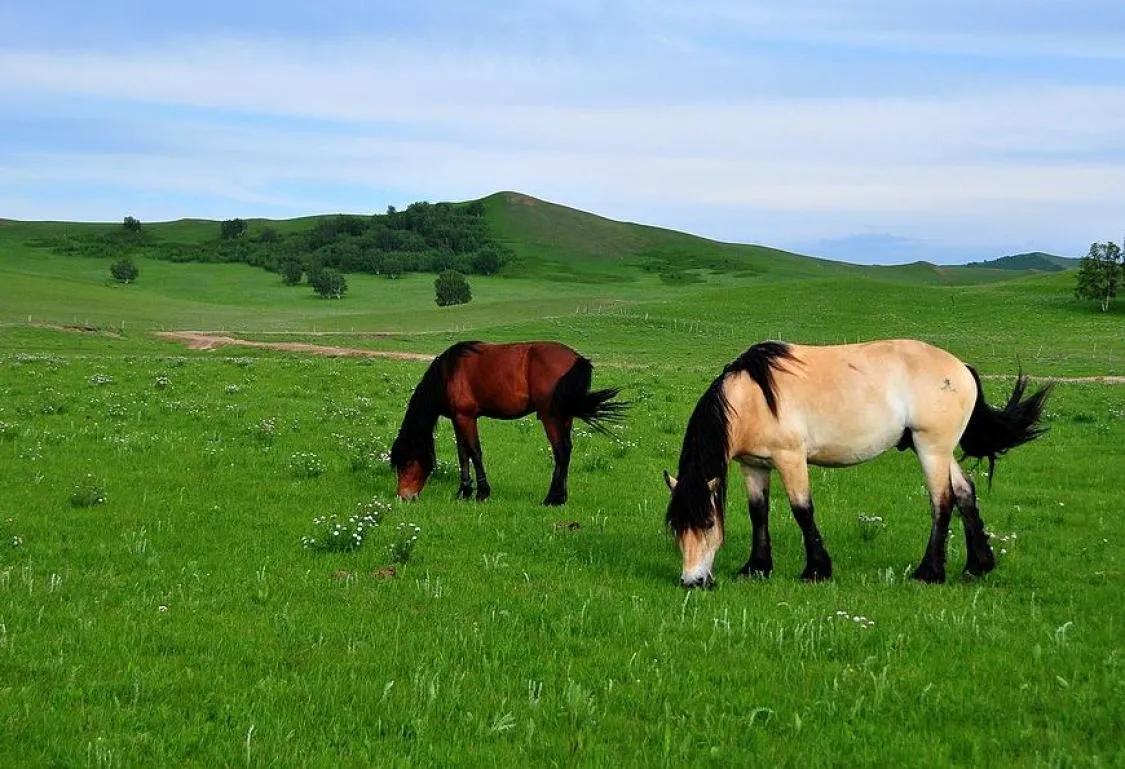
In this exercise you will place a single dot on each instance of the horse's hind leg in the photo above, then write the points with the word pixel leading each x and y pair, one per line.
pixel 794 472
pixel 979 559
pixel 558 433
pixel 757 481
pixel 936 468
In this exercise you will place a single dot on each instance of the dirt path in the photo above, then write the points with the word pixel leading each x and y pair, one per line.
pixel 205 340
pixel 199 340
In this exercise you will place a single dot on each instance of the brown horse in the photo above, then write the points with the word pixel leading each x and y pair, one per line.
pixel 500 381
pixel 785 407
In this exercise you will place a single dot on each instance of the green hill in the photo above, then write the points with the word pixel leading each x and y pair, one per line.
pixel 1037 261
pixel 559 243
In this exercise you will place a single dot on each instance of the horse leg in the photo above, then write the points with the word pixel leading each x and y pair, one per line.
pixel 558 433
pixel 757 481
pixel 467 426
pixel 979 559
pixel 936 468
pixel 794 471
pixel 466 489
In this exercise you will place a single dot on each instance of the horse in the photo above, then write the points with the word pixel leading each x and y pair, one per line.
pixel 785 406
pixel 499 381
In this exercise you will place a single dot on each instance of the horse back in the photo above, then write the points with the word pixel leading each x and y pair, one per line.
pixel 843 404
pixel 508 381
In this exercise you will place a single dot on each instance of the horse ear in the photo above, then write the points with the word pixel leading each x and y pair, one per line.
pixel 670 481
pixel 713 485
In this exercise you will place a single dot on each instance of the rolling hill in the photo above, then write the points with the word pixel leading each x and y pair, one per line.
pixel 1036 261
pixel 555 242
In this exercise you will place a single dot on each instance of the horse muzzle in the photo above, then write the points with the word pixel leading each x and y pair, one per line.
pixel 706 582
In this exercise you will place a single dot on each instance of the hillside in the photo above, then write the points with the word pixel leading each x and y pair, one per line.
pixel 553 242
pixel 1037 261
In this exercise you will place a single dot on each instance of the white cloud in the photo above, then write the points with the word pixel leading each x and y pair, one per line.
pixel 996 162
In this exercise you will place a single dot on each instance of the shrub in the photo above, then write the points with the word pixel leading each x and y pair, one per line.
pixel 328 283
pixel 232 229
pixel 451 287
pixel 131 224
pixel 402 546
pixel 291 271
pixel 87 493
pixel 124 270
pixel 305 464
pixel 343 535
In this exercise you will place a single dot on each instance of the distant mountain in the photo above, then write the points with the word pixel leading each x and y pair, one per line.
pixel 1034 260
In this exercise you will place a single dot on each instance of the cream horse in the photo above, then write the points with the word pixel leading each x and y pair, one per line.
pixel 784 407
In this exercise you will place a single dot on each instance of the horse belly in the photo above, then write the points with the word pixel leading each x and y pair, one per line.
pixel 843 442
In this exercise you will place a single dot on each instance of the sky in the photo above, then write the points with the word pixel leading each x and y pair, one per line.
pixel 873 131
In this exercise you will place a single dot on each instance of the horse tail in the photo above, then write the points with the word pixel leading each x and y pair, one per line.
pixel 993 431
pixel 573 398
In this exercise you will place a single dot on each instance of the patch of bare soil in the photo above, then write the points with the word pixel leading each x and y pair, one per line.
pixel 201 340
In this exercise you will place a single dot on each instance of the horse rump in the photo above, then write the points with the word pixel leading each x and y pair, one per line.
pixel 993 431
pixel 574 399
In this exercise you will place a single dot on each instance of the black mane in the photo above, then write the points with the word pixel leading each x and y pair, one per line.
pixel 415 441
pixel 703 457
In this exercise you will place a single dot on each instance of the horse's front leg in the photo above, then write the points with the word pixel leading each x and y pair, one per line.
pixel 467 427
pixel 794 471
pixel 466 489
pixel 558 433
pixel 757 480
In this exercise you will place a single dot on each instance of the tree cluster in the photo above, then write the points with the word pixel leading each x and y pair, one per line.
pixel 451 287
pixel 1100 273
pixel 424 237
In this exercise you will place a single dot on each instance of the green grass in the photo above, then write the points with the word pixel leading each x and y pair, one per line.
pixel 508 638
pixel 181 622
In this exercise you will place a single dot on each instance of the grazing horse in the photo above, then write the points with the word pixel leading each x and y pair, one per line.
pixel 784 407
pixel 500 381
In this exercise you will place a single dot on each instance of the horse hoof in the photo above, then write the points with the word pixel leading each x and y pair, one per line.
pixel 756 570
pixel 466 492
pixel 929 574
pixel 554 501
pixel 816 575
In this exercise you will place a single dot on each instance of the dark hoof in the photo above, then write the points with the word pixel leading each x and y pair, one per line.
pixel 703 583
pixel 483 493
pixel 817 571
pixel 978 567
pixel 929 573
pixel 465 492
pixel 554 501
pixel 757 568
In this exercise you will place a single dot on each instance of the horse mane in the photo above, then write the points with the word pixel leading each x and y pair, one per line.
pixel 415 440
pixel 759 362
pixel 703 457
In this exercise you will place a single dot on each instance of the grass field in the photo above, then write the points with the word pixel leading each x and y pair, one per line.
pixel 181 622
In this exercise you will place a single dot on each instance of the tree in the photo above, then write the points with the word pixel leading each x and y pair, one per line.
pixel 291 271
pixel 232 229
pixel 267 235
pixel 476 208
pixel 131 224
pixel 124 271
pixel 1100 273
pixel 392 266
pixel 487 261
pixel 328 283
pixel 450 287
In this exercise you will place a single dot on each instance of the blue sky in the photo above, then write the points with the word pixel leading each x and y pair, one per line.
pixel 867 130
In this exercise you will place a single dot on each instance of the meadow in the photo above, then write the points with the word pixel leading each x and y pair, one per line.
pixel 158 607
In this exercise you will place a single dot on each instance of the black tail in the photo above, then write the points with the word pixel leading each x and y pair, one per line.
pixel 573 398
pixel 992 431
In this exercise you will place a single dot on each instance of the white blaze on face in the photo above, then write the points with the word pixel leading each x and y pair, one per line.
pixel 699 548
